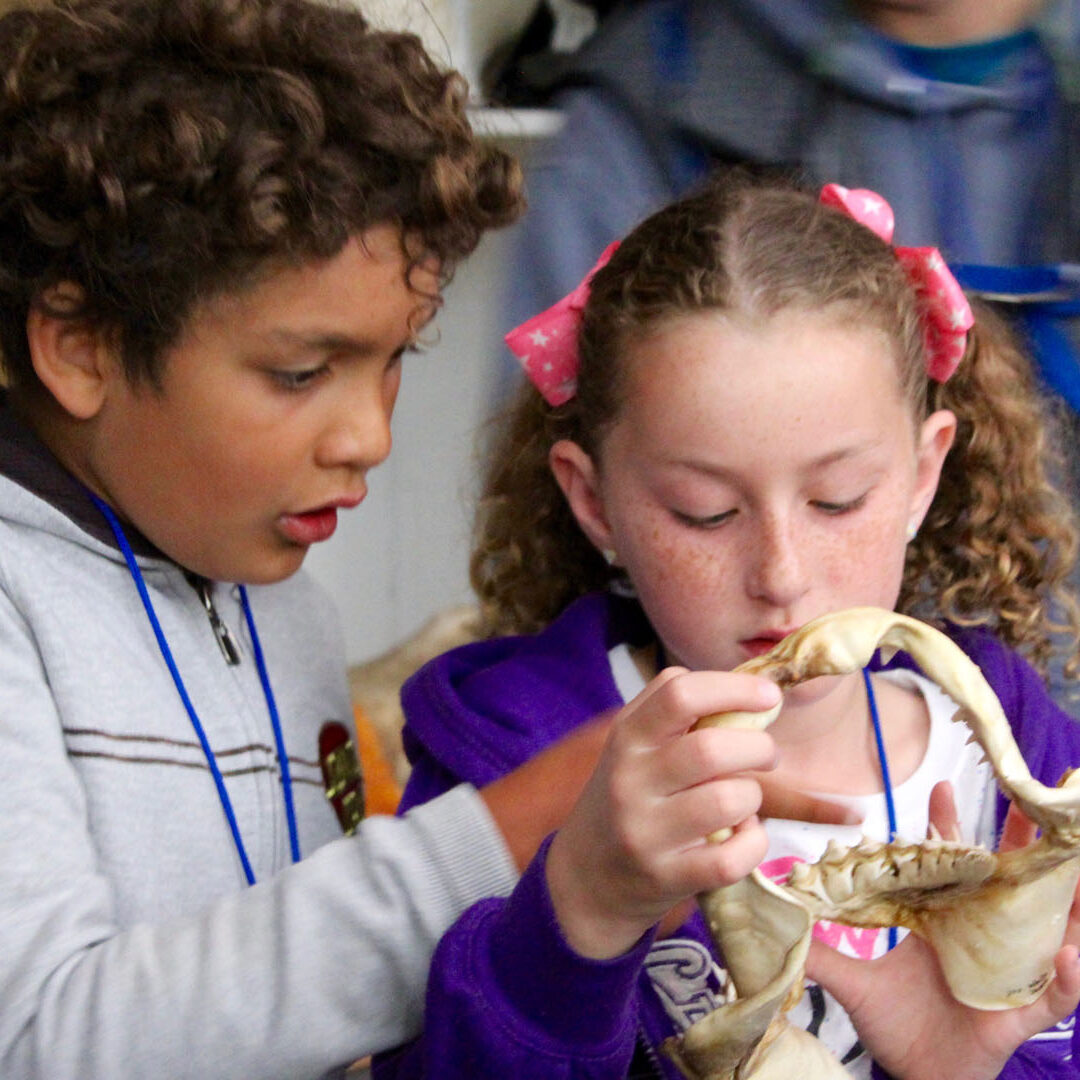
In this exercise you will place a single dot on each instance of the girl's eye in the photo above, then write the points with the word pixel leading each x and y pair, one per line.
pixel 298 380
pixel 713 521
pixel 836 509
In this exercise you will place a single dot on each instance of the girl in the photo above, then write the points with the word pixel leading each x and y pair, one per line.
pixel 766 413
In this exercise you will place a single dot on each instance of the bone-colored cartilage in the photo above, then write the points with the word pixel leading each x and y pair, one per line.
pixel 763 934
pixel 995 921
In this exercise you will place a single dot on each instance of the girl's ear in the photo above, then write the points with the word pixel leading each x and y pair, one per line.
pixel 575 472
pixel 69 356
pixel 934 440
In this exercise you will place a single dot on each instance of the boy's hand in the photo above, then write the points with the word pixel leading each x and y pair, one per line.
pixel 534 800
pixel 633 844
pixel 903 1009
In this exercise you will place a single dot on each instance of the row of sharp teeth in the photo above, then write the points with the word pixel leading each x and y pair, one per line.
pixel 843 874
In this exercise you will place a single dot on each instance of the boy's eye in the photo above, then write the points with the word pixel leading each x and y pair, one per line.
pixel 298 380
pixel 837 508
pixel 712 521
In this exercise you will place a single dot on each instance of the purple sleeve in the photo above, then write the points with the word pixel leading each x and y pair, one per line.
pixel 1049 1056
pixel 427 780
pixel 508 997
pixel 1050 742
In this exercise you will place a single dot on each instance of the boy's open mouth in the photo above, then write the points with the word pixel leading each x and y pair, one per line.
pixel 311 527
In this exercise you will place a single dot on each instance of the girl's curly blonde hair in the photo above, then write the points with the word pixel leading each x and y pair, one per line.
pixel 999 539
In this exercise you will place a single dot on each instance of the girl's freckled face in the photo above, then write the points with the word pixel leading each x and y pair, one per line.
pixel 759 474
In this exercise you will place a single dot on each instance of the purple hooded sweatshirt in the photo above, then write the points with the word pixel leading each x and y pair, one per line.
pixel 507 997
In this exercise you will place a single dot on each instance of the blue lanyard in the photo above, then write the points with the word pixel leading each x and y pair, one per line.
pixel 196 723
pixel 890 806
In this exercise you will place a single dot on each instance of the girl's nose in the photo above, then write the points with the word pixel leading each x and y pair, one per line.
pixel 777 572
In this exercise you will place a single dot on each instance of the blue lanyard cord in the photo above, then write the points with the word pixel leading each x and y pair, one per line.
pixel 211 760
pixel 890 806
pixel 275 721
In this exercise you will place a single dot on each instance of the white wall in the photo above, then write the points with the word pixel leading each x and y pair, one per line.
pixel 457 32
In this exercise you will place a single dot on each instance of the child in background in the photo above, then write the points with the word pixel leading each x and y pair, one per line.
pixel 756 412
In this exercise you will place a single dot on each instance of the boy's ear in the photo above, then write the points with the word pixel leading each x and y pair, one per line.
pixel 576 474
pixel 935 439
pixel 69 356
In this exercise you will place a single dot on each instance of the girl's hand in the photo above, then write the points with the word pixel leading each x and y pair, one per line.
pixel 634 845
pixel 903 1010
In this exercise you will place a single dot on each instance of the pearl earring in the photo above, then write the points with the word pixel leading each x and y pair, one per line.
pixel 912 531
pixel 609 555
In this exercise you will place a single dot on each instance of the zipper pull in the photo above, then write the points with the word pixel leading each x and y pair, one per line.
pixel 229 646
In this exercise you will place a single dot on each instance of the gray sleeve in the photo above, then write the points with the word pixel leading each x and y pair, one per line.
pixel 290 978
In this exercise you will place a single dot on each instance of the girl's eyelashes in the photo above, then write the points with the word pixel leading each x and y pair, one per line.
pixel 712 521
pixel 838 508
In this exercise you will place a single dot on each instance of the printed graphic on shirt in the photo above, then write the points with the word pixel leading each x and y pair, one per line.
pixel 861 942
pixel 687 980
pixel 1059 1032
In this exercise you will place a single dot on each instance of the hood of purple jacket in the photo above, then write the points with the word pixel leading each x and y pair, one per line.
pixel 484 708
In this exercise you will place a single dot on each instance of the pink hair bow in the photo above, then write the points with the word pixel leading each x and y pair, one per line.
pixel 948 314
pixel 546 345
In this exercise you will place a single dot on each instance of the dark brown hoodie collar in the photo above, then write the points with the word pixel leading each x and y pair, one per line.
pixel 28 462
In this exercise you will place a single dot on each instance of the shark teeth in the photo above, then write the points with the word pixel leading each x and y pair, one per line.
pixel 995 920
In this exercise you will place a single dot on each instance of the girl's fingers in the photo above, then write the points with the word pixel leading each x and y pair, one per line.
pixel 1018 831
pixel 711 753
pixel 700 811
pixel 711 866
pixel 676 699
pixel 943 815
pixel 843 976
pixel 1066 987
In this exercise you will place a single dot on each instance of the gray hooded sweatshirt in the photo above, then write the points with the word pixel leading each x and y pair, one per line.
pixel 130 943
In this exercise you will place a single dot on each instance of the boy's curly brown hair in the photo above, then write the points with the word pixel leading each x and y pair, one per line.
pixel 999 539
pixel 157 154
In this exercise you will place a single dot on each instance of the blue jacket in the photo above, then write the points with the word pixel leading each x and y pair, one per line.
pixel 507 996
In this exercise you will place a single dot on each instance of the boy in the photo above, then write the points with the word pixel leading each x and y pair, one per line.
pixel 222 222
